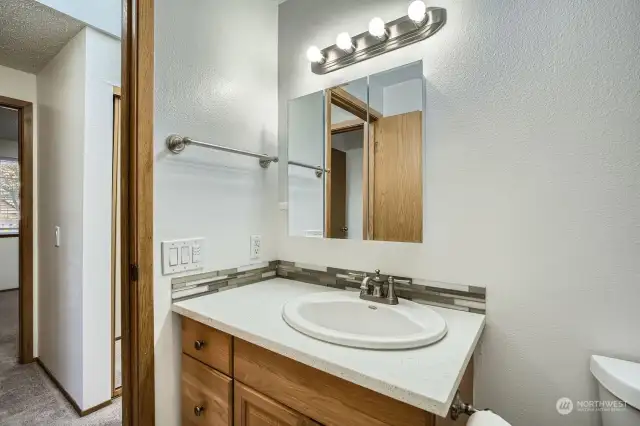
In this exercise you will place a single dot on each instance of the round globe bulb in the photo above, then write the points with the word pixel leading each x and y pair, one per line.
pixel 314 54
pixel 417 11
pixel 377 27
pixel 344 42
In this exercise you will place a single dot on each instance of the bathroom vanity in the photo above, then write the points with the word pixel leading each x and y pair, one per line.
pixel 243 365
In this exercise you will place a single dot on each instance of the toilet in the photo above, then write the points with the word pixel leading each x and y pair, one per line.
pixel 618 381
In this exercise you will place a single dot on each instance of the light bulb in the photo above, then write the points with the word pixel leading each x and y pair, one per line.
pixel 417 11
pixel 315 55
pixel 378 29
pixel 344 42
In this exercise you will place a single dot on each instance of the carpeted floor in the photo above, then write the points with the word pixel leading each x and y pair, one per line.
pixel 27 396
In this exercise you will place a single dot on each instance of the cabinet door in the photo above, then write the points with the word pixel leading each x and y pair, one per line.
pixel 207 395
pixel 254 409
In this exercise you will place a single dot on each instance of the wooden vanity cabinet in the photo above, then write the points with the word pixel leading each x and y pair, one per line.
pixel 207 395
pixel 254 409
pixel 227 381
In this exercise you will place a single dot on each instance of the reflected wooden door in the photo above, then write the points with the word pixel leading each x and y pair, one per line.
pixel 338 176
pixel 395 178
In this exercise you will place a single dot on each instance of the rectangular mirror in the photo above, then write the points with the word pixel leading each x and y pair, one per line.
pixel 355 159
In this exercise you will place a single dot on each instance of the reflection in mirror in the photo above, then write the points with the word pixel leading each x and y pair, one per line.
pixel 394 163
pixel 355 159
pixel 306 151
pixel 345 120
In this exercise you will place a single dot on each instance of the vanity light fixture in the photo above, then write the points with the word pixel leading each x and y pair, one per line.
pixel 420 23
pixel 378 29
pixel 417 11
pixel 344 42
pixel 315 55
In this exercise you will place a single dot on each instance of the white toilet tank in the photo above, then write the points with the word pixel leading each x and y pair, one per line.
pixel 619 383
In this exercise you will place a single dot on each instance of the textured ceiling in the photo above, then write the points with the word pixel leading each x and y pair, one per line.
pixel 31 34
pixel 8 124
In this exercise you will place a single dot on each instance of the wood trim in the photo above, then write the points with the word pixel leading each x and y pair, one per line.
pixel 365 183
pixel 327 162
pixel 25 159
pixel 346 126
pixel 370 182
pixel 68 397
pixel 137 212
pixel 115 175
pixel 25 231
pixel 117 91
pixel 14 103
pixel 345 100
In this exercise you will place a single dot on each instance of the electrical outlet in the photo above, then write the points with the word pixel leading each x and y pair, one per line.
pixel 256 249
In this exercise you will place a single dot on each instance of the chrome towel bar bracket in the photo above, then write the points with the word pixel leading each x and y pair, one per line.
pixel 176 144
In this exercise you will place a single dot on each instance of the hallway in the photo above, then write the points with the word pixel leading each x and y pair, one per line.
pixel 27 395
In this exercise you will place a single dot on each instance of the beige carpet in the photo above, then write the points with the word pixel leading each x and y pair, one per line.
pixel 27 396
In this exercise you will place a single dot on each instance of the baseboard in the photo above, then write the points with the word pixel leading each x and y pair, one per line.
pixel 72 401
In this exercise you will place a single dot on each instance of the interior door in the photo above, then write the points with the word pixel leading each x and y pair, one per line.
pixel 338 176
pixel 395 178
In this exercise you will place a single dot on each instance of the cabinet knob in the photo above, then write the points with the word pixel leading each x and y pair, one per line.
pixel 199 344
pixel 198 410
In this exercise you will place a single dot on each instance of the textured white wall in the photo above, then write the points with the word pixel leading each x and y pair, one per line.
pixel 102 74
pixel 532 181
pixel 75 91
pixel 61 97
pixel 216 82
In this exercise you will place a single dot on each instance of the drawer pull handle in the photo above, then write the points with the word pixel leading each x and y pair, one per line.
pixel 199 344
pixel 198 410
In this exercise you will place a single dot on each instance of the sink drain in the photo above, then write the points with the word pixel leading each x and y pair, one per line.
pixel 372 307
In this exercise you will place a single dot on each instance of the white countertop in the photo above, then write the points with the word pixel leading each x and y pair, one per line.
pixel 425 377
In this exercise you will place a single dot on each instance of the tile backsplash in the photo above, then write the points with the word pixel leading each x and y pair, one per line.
pixel 454 296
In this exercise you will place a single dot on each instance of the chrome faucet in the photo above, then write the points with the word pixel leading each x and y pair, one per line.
pixel 372 289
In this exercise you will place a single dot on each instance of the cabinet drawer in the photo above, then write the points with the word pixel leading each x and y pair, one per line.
pixel 207 345
pixel 254 409
pixel 318 395
pixel 207 396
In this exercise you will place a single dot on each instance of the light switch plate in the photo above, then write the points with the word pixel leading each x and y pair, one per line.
pixel 178 255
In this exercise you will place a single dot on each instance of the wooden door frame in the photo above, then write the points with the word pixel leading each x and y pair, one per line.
pixel 342 99
pixel 115 201
pixel 25 230
pixel 138 395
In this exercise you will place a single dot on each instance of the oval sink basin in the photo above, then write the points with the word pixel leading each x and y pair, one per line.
pixel 341 317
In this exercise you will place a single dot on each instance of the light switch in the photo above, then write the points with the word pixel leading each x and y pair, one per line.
pixel 185 255
pixel 181 256
pixel 173 257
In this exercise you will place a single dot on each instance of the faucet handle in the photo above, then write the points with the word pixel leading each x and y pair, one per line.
pixel 391 292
